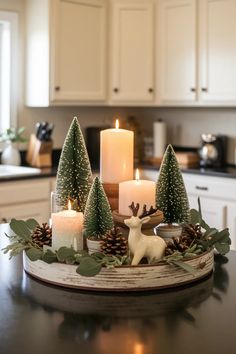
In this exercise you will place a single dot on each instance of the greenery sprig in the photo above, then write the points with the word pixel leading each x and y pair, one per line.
pixel 88 265
pixel 211 239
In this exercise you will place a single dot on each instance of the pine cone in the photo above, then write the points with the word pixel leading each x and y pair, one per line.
pixel 42 235
pixel 190 235
pixel 192 231
pixel 113 243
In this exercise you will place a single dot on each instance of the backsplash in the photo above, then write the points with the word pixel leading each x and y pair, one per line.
pixel 184 125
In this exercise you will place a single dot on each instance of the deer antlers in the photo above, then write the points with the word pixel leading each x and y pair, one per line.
pixel 145 212
pixel 134 208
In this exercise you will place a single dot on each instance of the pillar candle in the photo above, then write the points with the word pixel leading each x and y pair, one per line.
pixel 67 226
pixel 117 155
pixel 137 191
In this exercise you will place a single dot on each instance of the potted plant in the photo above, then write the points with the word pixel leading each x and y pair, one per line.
pixel 11 154
pixel 171 196
pixel 97 216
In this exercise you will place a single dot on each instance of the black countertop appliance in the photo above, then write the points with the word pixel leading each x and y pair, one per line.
pixel 93 145
pixel 213 151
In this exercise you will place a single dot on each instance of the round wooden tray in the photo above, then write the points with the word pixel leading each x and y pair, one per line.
pixel 123 278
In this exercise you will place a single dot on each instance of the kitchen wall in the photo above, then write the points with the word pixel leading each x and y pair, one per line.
pixel 185 125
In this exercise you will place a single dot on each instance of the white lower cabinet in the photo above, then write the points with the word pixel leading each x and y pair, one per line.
pixel 217 197
pixel 25 199
pixel 38 211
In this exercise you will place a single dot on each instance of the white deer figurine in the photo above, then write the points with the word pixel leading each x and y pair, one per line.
pixel 140 245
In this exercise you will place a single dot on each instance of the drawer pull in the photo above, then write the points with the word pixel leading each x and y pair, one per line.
pixel 200 188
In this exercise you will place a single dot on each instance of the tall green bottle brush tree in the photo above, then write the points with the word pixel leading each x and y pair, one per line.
pixel 171 196
pixel 74 175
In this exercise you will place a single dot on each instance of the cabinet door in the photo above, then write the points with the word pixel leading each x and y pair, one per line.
pixel 132 51
pixel 37 210
pixel 176 51
pixel 217 50
pixel 79 50
pixel 214 211
pixel 231 223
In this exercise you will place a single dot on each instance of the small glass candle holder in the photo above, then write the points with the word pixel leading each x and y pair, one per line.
pixel 55 205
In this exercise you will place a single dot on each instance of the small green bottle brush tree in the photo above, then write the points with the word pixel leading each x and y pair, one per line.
pixel 74 176
pixel 171 196
pixel 97 216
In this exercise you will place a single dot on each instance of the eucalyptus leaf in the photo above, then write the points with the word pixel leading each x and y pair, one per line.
pixel 222 248
pixel 32 224
pixel 221 236
pixel 189 255
pixel 210 232
pixel 49 257
pixel 88 267
pixel 20 228
pixel 98 255
pixel 204 225
pixel 64 252
pixel 70 260
pixel 195 217
pixel 187 267
pixel 34 254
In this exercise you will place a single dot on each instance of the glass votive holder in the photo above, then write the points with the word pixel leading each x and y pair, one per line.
pixel 55 205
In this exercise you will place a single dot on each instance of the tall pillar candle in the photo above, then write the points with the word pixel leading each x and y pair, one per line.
pixel 117 155
pixel 67 226
pixel 137 191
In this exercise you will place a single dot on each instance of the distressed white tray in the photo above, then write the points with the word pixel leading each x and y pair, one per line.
pixel 124 278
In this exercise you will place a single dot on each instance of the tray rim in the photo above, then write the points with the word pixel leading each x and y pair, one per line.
pixel 95 285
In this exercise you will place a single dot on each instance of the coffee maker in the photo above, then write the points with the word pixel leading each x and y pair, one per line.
pixel 213 150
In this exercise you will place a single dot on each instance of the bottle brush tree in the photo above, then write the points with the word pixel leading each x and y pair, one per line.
pixel 171 196
pixel 74 175
pixel 98 216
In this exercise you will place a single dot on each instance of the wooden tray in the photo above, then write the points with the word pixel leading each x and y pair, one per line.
pixel 124 278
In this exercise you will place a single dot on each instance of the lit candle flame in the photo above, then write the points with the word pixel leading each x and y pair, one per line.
pixel 137 177
pixel 69 205
pixel 117 124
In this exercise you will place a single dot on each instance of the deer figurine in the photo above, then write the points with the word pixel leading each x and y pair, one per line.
pixel 140 245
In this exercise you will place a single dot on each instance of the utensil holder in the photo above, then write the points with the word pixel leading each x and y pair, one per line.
pixel 39 153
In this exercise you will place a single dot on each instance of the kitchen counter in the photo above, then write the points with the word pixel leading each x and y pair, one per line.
pixel 44 173
pixel 228 171
pixel 39 318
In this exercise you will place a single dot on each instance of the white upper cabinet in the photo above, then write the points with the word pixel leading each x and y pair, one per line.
pixel 196 47
pixel 217 49
pixel 176 51
pixel 132 54
pixel 66 52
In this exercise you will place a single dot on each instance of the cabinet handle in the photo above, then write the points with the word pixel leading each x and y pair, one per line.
pixel 57 88
pixel 204 89
pixel 116 90
pixel 201 188
pixel 150 90
pixel 193 89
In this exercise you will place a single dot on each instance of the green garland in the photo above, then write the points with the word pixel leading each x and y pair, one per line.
pixel 90 265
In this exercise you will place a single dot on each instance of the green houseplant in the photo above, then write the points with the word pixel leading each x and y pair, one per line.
pixel 11 154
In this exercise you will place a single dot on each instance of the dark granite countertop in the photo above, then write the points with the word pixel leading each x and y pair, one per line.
pixel 40 318
pixel 227 171
pixel 45 173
